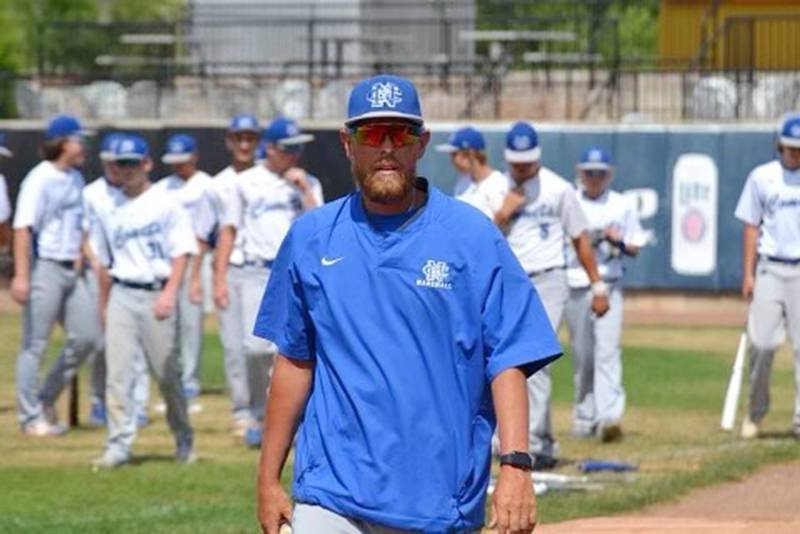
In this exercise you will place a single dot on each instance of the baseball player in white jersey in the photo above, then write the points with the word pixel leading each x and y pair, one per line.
pixel 5 205
pixel 215 228
pixel 539 213
pixel 145 239
pixel 615 232
pixel 268 199
pixel 478 183
pixel 97 194
pixel 187 184
pixel 48 277
pixel 769 207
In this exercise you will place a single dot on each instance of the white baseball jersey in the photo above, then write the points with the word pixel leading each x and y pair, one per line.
pixel 771 200
pixel 189 193
pixel 5 206
pixel 610 209
pixel 538 230
pixel 96 195
pixel 50 204
pixel 486 195
pixel 137 238
pixel 266 205
pixel 215 211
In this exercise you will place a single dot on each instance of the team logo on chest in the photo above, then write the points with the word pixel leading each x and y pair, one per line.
pixel 437 275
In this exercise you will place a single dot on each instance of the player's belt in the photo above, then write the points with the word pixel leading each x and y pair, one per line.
pixel 787 261
pixel 67 264
pixel 532 274
pixel 267 264
pixel 156 285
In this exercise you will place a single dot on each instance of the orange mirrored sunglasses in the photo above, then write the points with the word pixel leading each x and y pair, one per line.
pixel 373 134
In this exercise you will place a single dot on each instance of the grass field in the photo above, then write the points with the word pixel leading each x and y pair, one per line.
pixel 675 379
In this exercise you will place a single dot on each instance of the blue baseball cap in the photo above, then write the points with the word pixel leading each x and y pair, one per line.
pixel 130 146
pixel 244 123
pixel 180 149
pixel 595 158
pixel 108 145
pixel 467 138
pixel 285 132
pixel 522 144
pixel 790 132
pixel 64 126
pixel 384 96
pixel 4 150
pixel 261 152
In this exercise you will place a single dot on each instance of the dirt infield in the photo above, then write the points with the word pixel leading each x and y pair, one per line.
pixel 767 502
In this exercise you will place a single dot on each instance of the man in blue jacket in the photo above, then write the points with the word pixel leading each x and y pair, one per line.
pixel 405 329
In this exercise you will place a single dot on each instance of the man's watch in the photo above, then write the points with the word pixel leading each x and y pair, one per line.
pixel 519 459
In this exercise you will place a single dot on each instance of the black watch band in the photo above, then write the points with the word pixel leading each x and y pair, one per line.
pixel 519 459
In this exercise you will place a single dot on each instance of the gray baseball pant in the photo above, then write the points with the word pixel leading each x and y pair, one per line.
pixel 259 353
pixel 312 519
pixel 131 324
pixel 232 333
pixel 554 292
pixel 57 294
pixel 97 379
pixel 774 309
pixel 596 359
pixel 190 339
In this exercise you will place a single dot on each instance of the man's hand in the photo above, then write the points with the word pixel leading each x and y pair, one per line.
pixel 274 507
pixel 298 178
pixel 514 200
pixel 600 305
pixel 196 290
pixel 612 233
pixel 221 300
pixel 748 283
pixel 513 502
pixel 164 305
pixel 20 289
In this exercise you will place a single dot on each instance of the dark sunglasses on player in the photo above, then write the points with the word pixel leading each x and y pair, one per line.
pixel 128 163
pixel 292 149
pixel 373 134
pixel 596 173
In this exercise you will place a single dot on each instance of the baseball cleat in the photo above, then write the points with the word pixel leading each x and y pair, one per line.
pixel 252 437
pixel 43 429
pixel 749 429
pixel 109 460
pixel 184 451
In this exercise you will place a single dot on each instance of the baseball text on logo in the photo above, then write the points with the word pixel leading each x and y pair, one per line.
pixel 437 275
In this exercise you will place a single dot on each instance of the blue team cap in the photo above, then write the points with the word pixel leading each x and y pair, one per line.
pixel 244 123
pixel 108 144
pixel 4 150
pixel 790 133
pixel 595 158
pixel 261 152
pixel 130 147
pixel 180 149
pixel 522 144
pixel 64 126
pixel 467 138
pixel 285 132
pixel 384 96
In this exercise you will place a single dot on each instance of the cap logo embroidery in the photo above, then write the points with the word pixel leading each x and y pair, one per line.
pixel 292 130
pixel 794 131
pixel 521 142
pixel 595 155
pixel 176 147
pixel 127 146
pixel 385 95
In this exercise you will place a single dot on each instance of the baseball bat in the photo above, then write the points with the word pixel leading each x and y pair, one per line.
pixel 734 386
